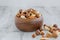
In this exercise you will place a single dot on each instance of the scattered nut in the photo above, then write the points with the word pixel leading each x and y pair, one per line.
pixel 46 28
pixel 44 25
pixel 44 38
pixel 42 32
pixel 37 32
pixel 58 29
pixel 34 35
pixel 51 30
pixel 49 35
pixel 41 29
pixel 58 33
pixel 55 25
pixel 54 34
pixel 54 31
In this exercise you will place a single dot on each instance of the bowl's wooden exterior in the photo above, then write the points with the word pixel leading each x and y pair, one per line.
pixel 29 25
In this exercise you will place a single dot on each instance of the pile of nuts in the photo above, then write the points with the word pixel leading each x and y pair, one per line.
pixel 53 32
pixel 29 13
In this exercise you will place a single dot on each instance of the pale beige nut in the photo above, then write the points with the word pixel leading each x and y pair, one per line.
pixel 31 17
pixel 49 35
pixel 46 28
pixel 58 29
pixel 44 38
pixel 37 32
pixel 23 17
pixel 33 35
pixel 54 34
pixel 58 33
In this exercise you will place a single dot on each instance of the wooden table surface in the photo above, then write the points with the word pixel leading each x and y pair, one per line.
pixel 8 30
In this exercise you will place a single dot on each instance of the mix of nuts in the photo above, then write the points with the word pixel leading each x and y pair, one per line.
pixel 53 32
pixel 29 13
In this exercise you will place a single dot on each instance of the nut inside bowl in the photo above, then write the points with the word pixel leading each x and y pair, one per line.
pixel 30 23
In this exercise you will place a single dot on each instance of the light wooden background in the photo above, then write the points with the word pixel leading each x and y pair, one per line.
pixel 50 9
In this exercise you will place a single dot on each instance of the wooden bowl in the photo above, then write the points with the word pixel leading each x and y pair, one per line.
pixel 29 25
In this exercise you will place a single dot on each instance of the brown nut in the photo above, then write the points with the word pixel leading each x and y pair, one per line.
pixel 58 33
pixel 54 34
pixel 42 32
pixel 41 29
pixel 38 15
pixel 44 38
pixel 20 11
pixel 51 30
pixel 44 25
pixel 54 28
pixel 55 25
pixel 18 15
pixel 37 32
pixel 48 35
pixel 58 29
pixel 33 35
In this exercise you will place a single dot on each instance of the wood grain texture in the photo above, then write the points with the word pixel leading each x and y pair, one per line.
pixel 8 30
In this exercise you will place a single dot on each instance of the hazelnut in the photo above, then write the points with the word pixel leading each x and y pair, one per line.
pixel 48 35
pixel 18 15
pixel 42 32
pixel 33 35
pixel 37 32
pixel 55 25
pixel 44 25
pixel 38 15
pixel 54 28
pixel 20 11
pixel 51 30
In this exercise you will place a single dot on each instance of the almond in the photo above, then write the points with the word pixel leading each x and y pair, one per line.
pixel 54 34
pixel 48 35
